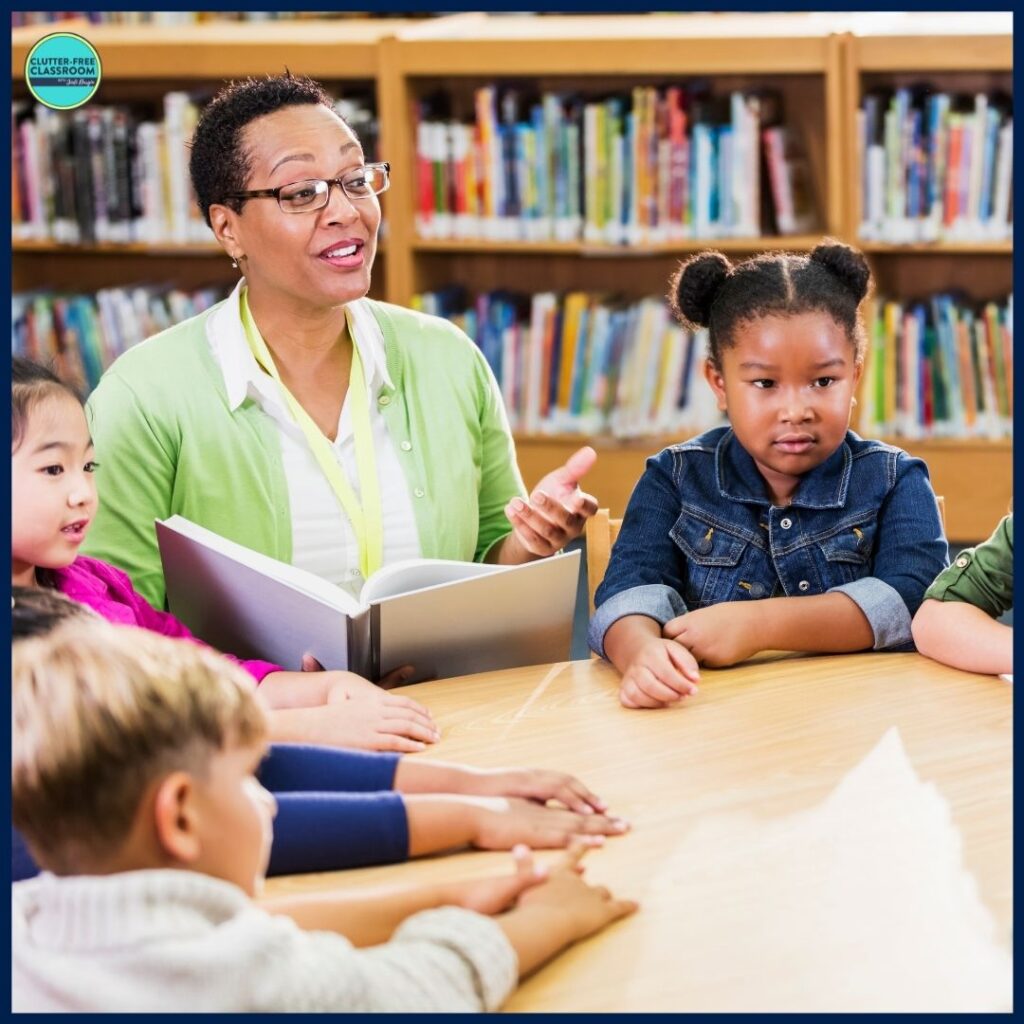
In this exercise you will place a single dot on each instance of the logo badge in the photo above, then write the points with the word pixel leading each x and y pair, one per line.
pixel 63 71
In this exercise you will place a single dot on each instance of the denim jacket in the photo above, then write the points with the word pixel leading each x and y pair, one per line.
pixel 700 529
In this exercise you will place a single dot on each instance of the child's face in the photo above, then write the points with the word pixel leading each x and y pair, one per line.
pixel 236 817
pixel 787 384
pixel 53 490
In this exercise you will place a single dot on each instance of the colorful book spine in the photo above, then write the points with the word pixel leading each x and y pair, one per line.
pixel 644 167
pixel 83 334
pixel 935 166
pixel 940 368
pixel 585 363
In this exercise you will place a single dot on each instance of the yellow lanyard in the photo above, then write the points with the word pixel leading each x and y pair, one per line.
pixel 364 516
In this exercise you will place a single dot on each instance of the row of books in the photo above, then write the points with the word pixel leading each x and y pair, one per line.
pixel 105 174
pixel 586 363
pixel 651 165
pixel 940 368
pixel 591 364
pixel 81 335
pixel 935 166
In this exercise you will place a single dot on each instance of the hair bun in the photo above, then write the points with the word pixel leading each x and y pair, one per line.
pixel 845 263
pixel 695 285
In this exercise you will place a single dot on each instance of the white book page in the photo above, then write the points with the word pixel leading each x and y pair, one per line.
pixel 415 574
pixel 298 579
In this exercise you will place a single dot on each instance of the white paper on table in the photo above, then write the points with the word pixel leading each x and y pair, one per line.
pixel 859 904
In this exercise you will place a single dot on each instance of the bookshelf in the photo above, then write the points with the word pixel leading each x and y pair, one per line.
pixel 961 54
pixel 818 63
pixel 143 62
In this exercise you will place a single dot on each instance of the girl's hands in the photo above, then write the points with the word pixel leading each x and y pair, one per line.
pixel 661 673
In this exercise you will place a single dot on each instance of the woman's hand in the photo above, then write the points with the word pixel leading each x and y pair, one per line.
pixel 555 514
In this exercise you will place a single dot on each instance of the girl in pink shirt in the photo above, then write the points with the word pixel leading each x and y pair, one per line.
pixel 52 505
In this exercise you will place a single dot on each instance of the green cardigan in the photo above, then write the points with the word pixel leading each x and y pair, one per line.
pixel 167 443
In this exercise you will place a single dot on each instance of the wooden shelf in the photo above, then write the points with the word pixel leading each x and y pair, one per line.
pixel 329 50
pixel 937 248
pixel 25 246
pixel 642 250
pixel 616 45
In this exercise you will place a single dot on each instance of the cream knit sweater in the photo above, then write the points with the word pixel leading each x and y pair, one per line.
pixel 167 940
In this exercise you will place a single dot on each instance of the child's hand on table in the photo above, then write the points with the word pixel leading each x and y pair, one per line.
pixel 661 673
pixel 532 784
pixel 501 823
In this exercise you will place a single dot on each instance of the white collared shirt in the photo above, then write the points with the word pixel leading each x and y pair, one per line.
pixel 323 541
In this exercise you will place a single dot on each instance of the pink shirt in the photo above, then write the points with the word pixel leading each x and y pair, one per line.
pixel 110 593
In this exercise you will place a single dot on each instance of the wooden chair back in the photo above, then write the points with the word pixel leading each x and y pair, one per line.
pixel 600 534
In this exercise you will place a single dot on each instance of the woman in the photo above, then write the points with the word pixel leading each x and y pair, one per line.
pixel 252 417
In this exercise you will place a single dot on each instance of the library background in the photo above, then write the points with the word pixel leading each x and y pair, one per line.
pixel 548 174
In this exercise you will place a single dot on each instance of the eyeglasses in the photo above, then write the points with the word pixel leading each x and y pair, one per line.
pixel 315 193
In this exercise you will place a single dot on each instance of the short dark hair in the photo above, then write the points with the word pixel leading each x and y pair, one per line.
pixel 37 611
pixel 219 164
pixel 709 291
pixel 30 384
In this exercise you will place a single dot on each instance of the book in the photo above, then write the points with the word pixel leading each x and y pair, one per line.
pixel 445 618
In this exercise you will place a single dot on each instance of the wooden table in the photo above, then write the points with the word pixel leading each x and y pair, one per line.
pixel 770 739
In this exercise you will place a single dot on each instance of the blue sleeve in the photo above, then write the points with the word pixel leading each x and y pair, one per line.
pixel 910 552
pixel 645 574
pixel 22 864
pixel 331 831
pixel 293 767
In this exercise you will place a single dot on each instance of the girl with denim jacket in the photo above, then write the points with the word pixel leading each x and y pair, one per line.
pixel 786 502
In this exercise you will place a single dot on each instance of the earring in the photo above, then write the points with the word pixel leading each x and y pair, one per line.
pixel 234 262
pixel 853 401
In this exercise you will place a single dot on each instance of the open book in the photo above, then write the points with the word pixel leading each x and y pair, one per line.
pixel 444 618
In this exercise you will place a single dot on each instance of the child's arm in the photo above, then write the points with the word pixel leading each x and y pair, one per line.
pixel 961 635
pixel 388 723
pixel 446 821
pixel 369 917
pixel 537 929
pixel 957 624
pixel 731 632
pixel 642 589
pixel 415 776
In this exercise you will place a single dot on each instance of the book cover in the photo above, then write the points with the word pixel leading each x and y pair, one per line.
pixel 445 618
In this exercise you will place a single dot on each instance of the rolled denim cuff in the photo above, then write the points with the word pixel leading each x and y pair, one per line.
pixel 884 609
pixel 654 600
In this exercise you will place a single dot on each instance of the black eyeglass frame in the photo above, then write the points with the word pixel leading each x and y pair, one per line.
pixel 275 193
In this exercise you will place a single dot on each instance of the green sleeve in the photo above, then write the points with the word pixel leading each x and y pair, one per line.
pixel 982 576
pixel 500 480
pixel 135 481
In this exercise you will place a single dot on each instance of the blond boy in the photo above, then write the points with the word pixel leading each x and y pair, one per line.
pixel 132 782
